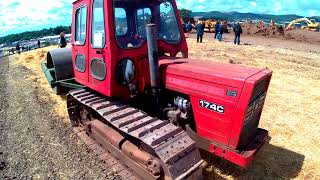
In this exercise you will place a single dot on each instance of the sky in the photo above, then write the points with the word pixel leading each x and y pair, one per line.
pixel 25 15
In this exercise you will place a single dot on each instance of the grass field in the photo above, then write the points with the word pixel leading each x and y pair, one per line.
pixel 291 112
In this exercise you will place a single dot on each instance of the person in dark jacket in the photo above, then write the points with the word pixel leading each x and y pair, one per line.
pixel 39 44
pixel 220 32
pixel 200 31
pixel 216 30
pixel 63 41
pixel 237 31
pixel 18 48
pixel 189 27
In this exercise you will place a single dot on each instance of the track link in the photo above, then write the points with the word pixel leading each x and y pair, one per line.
pixel 109 161
pixel 175 149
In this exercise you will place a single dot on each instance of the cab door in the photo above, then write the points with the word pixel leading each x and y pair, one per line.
pixel 98 54
pixel 80 42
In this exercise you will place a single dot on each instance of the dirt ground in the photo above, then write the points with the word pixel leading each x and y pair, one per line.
pixel 34 142
pixel 255 40
pixel 291 115
pixel 261 29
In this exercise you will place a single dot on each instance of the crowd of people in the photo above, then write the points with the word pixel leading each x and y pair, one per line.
pixel 62 44
pixel 26 47
pixel 218 29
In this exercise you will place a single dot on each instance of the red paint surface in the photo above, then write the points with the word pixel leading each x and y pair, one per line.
pixel 200 81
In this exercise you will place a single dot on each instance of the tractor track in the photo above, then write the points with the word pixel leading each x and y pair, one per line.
pixel 34 142
pixel 174 148
pixel 108 160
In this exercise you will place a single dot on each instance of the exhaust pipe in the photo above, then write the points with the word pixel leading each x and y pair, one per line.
pixel 151 30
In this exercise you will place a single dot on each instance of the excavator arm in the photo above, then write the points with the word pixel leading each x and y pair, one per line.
pixel 309 23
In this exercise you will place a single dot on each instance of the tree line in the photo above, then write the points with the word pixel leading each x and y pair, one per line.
pixel 35 34
pixel 185 14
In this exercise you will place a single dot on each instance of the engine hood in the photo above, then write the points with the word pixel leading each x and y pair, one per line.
pixel 222 74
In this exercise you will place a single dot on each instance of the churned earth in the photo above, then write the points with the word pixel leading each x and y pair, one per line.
pixel 34 142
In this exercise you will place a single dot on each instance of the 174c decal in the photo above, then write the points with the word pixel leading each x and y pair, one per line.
pixel 212 106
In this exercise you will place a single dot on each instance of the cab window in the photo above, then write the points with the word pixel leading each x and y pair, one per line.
pixel 132 17
pixel 80 25
pixel 98 35
pixel 121 21
pixel 143 18
pixel 126 32
pixel 169 27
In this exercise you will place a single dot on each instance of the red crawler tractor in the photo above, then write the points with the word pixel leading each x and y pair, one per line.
pixel 151 109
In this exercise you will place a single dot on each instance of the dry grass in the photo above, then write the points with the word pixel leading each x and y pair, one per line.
pixel 291 112
pixel 32 61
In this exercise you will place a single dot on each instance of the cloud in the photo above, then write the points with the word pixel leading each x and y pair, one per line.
pixel 179 4
pixel 253 3
pixel 313 13
pixel 201 7
pixel 19 16
pixel 277 7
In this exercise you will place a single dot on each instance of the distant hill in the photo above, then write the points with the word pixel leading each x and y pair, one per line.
pixel 235 16
pixel 316 17
pixel 35 34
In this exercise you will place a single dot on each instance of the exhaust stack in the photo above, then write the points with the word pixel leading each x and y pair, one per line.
pixel 151 30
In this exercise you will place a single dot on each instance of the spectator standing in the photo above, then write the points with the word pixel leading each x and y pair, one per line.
pixel 220 31
pixel 63 41
pixel 216 30
pixel 18 48
pixel 39 44
pixel 237 32
pixel 189 29
pixel 200 31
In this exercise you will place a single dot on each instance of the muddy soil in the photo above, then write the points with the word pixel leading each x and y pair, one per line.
pixel 34 143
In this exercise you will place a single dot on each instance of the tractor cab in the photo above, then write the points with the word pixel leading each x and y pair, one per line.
pixel 132 17
pixel 110 41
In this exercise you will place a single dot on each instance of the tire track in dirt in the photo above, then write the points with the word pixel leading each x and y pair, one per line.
pixel 34 142
pixel 4 65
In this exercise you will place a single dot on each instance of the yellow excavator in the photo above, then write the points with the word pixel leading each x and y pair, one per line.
pixel 209 25
pixel 310 25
